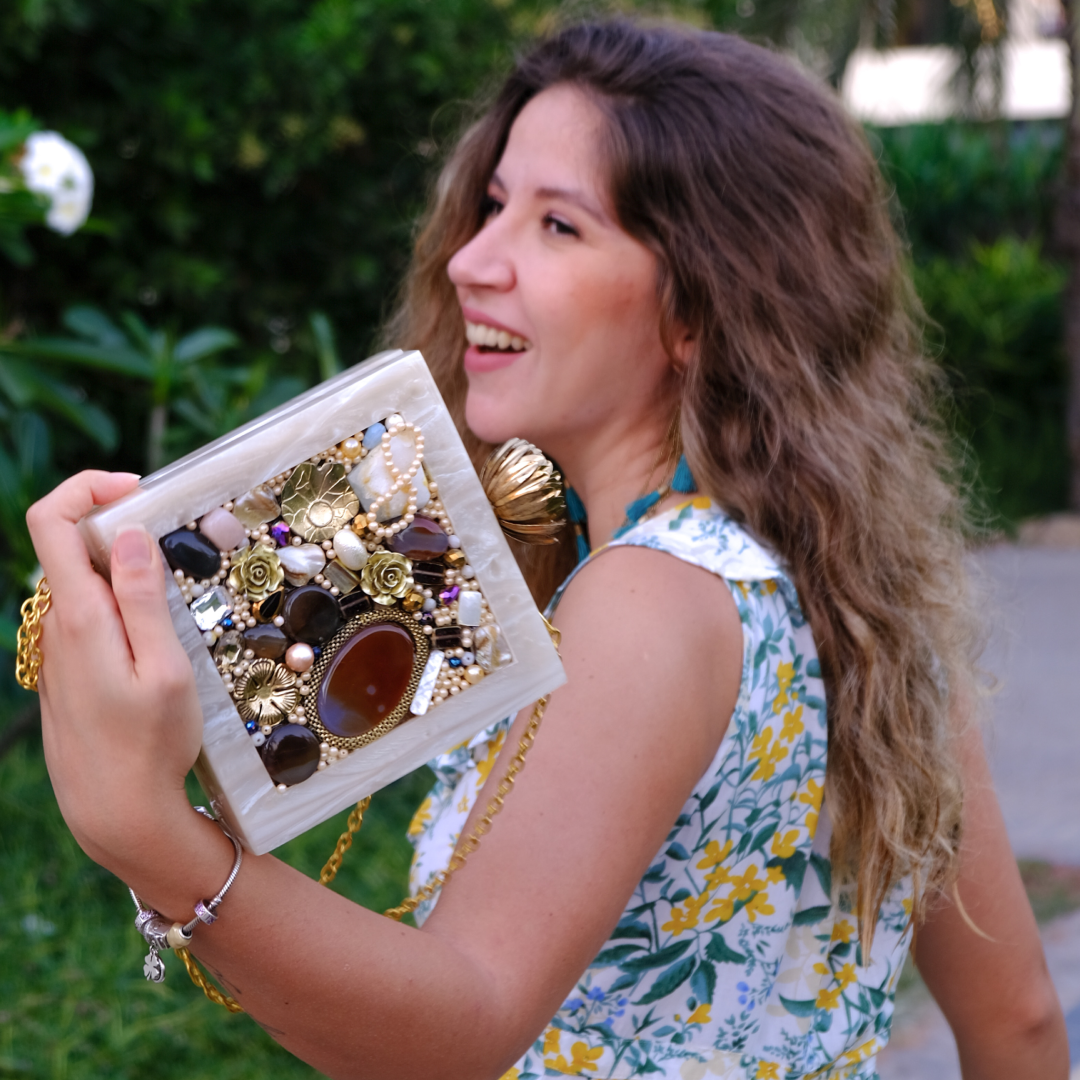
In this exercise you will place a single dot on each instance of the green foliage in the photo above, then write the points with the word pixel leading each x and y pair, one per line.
pixel 73 1002
pixel 18 208
pixel 999 328
pixel 958 182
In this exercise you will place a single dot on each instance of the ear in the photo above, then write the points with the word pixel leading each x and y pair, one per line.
pixel 683 348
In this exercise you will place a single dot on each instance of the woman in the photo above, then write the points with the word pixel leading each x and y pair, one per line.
pixel 761 775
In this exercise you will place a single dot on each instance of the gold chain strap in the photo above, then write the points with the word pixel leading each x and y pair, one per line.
pixel 28 666
pixel 464 849
pixel 28 638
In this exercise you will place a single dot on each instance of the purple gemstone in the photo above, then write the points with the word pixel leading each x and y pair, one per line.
pixel 280 532
pixel 448 596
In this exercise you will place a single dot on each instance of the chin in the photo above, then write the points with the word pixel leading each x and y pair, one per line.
pixel 494 419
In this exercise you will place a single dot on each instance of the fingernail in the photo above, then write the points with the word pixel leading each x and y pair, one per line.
pixel 132 548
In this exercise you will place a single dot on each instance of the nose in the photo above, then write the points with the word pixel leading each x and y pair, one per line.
pixel 484 262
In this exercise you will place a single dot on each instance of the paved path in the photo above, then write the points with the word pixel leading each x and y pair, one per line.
pixel 1033 741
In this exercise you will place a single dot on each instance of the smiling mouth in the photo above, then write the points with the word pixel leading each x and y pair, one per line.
pixel 488 339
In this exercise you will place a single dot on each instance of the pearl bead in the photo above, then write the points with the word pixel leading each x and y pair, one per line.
pixel 299 657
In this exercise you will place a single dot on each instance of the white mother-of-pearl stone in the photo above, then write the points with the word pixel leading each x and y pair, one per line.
pixel 469 608
pixel 371 478
pixel 301 563
pixel 350 549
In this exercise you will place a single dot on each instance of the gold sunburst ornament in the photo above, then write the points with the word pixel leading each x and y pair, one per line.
pixel 526 492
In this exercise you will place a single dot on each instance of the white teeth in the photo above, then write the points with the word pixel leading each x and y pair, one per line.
pixel 488 336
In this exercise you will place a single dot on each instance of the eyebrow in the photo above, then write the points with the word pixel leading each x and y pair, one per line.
pixel 571 195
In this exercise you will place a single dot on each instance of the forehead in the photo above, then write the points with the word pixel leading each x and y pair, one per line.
pixel 555 143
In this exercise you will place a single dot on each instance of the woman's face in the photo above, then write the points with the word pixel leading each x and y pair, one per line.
pixel 560 303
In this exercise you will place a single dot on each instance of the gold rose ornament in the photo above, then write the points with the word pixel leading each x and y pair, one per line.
pixel 386 577
pixel 256 572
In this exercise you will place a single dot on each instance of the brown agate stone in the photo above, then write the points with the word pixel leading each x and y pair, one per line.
pixel 366 680
pixel 290 754
pixel 311 614
pixel 423 539
pixel 266 640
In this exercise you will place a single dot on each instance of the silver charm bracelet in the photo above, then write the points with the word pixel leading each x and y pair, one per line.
pixel 160 933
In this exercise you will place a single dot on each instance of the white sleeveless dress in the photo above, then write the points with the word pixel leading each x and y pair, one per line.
pixel 737 954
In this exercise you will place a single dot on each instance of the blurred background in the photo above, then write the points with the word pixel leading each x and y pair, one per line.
pixel 252 171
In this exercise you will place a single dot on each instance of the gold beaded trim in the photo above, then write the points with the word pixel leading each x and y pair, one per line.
pixel 401 711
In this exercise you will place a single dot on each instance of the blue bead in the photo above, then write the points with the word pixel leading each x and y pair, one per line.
pixel 455 661
pixel 252 726
pixel 317 651
pixel 227 623
pixel 373 436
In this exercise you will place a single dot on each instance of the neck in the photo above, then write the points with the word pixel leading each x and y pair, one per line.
pixel 609 473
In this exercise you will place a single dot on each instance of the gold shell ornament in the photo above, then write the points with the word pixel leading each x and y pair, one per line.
pixel 256 572
pixel 525 491
pixel 317 501
pixel 386 577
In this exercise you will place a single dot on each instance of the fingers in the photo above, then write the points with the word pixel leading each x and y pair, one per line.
pixel 138 582
pixel 52 522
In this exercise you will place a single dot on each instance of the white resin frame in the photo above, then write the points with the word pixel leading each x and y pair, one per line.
pixel 229 767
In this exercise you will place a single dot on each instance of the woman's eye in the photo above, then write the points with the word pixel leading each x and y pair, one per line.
pixel 559 226
pixel 489 207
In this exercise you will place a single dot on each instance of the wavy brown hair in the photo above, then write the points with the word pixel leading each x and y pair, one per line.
pixel 810 409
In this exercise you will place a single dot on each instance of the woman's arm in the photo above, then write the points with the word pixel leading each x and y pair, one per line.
pixel 995 990
pixel 652 647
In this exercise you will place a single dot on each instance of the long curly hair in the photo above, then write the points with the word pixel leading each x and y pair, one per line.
pixel 810 411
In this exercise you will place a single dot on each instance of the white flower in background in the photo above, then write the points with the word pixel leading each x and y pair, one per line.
pixel 53 167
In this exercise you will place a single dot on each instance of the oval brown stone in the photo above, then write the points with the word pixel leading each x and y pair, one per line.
pixel 366 680
pixel 266 640
pixel 422 539
pixel 290 754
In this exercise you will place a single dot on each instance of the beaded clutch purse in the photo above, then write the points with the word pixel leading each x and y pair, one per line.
pixel 343 588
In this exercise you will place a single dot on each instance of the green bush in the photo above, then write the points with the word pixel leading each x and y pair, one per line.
pixel 998 327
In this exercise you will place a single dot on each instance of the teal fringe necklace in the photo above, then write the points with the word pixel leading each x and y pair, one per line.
pixel 682 481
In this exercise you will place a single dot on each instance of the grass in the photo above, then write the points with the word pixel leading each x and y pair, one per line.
pixel 73 1001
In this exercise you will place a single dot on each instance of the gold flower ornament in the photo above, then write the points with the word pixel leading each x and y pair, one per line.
pixel 525 492
pixel 386 576
pixel 256 572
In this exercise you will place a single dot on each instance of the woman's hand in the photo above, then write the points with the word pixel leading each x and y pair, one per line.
pixel 121 721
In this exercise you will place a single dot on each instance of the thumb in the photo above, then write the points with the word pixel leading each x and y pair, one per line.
pixel 138 581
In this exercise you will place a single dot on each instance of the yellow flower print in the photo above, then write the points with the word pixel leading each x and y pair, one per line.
pixel 867 1050
pixel 700 1015
pixel 551 1040
pixel 463 803
pixel 746 884
pixel 723 910
pixel 759 905
pixel 846 976
pixel 828 999
pixel 907 903
pixel 680 920
pixel 715 854
pixel 783 847
pixel 770 586
pixel 785 676
pixel 775 875
pixel 842 931
pixel 812 797
pixel 767 1070
pixel 420 818
pixel 765 755
pixel 513 1074
pixel 793 724
pixel 581 1059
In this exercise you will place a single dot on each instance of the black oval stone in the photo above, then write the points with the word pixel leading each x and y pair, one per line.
pixel 269 607
pixel 191 552
pixel 290 754
pixel 312 614
pixel 266 640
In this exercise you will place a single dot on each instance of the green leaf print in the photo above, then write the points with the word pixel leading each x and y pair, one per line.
pixel 718 950
pixel 793 868
pixel 671 979
pixel 703 982
pixel 657 959
pixel 632 929
pixel 615 955
pixel 824 872
pixel 799 1008
pixel 811 915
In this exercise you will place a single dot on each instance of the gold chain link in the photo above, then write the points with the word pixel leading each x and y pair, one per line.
pixel 28 655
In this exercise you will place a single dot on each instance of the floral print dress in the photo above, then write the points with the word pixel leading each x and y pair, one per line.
pixel 737 955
